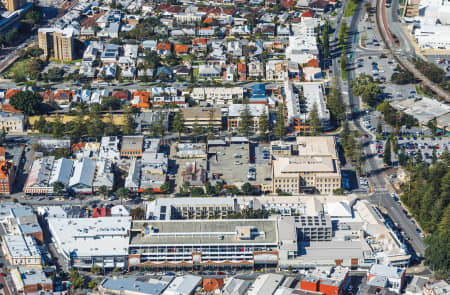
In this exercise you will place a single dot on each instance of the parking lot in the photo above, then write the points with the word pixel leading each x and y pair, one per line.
pixel 238 162
pixel 442 61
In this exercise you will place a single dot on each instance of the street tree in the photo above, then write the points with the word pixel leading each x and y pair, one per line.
pixel 103 191
pixel 27 101
pixel 246 122
pixel 122 193
pixel 314 121
pixel 263 126
pixel 76 279
pixel 178 123
pixel 58 188
pixel 280 129
pixel 336 105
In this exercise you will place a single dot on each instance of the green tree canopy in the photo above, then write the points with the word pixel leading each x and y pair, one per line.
pixel 27 101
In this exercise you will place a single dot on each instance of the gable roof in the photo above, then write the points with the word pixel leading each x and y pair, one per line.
pixel 313 63
pixel 181 48
pixel 163 46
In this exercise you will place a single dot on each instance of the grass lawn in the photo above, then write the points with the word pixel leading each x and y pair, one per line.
pixel 350 9
pixel 196 73
pixel 20 66
pixel 344 75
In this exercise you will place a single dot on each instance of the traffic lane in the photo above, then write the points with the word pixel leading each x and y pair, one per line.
pixel 395 212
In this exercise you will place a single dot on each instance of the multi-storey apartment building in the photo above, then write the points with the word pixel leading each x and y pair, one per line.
pixel 11 123
pixel 13 5
pixel 217 95
pixel 235 111
pixel 190 208
pixel 57 43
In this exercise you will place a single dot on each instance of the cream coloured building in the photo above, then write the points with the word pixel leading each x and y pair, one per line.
pixel 57 43
pixel 11 123
pixel 313 166
pixel 21 250
pixel 217 95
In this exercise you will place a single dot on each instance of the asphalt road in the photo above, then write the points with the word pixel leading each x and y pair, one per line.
pixel 377 179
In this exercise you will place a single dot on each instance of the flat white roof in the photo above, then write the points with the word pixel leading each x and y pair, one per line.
pixel 21 246
pixel 183 285
pixel 265 284
pixel 91 236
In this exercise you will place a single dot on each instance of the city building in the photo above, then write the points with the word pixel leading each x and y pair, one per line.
pixel 30 281
pixel 21 251
pixel 85 242
pixel 436 288
pixel 235 111
pixel 13 5
pixel 202 117
pixel 265 284
pixel 132 146
pixel 184 285
pixel 297 111
pixel 82 179
pixel 386 277
pixel 46 171
pixel 190 208
pixel 57 42
pixel 109 149
pixel 234 286
pixel 217 95
pixel 149 173
pixel 131 286
pixel 193 244
pixel 315 168
pixel 7 176
pixel 191 150
pixel 194 174
pixel 11 123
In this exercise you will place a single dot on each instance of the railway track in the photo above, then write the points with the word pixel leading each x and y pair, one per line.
pixel 392 46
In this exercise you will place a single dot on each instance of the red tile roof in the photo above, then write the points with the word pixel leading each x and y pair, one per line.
pixel 307 14
pixel 313 63
pixel 287 3
pixel 122 94
pixel 9 109
pixel 181 48
pixel 200 41
pixel 77 146
pixel 10 92
pixel 242 67
pixel 101 212
pixel 163 46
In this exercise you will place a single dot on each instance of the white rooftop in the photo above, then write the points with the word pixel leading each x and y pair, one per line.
pixel 91 236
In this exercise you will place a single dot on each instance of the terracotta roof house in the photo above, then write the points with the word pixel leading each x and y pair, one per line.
pixel 181 49
pixel 141 99
pixel 210 285
pixel 313 63
pixel 308 14
pixel 242 71
pixel 122 94
pixel 9 109
pixel 287 3
pixel 10 93
pixel 164 48
pixel 63 95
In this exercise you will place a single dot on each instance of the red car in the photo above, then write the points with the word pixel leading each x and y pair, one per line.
pixel 2 274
